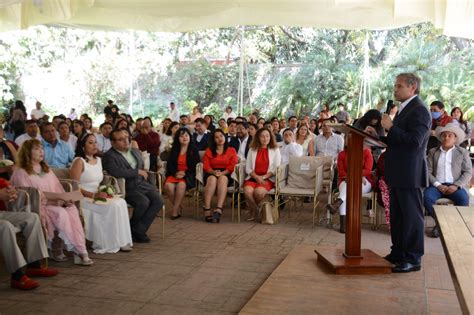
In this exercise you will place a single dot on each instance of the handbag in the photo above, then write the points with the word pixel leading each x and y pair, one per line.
pixel 268 213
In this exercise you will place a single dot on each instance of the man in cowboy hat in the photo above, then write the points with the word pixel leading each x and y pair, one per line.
pixel 449 170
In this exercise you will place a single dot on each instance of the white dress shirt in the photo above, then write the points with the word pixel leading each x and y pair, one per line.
pixel 243 144
pixel 174 115
pixel 103 143
pixel 291 149
pixel 22 138
pixel 444 173
pixel 402 105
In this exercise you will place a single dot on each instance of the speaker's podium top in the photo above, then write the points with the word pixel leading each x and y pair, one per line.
pixel 368 138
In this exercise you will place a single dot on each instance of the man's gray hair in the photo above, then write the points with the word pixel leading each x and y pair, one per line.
pixel 411 79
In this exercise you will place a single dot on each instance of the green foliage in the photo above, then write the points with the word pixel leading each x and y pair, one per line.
pixel 291 70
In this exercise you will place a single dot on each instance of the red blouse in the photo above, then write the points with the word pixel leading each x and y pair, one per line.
pixel 367 163
pixel 262 162
pixel 226 160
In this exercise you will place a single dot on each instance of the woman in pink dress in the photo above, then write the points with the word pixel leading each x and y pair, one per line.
pixel 57 216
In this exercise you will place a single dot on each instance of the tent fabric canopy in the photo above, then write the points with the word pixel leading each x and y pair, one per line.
pixel 454 17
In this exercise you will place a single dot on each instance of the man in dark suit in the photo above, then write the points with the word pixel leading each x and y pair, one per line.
pixel 200 135
pixel 124 162
pixel 406 173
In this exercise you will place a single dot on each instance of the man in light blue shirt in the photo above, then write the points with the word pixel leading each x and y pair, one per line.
pixel 57 153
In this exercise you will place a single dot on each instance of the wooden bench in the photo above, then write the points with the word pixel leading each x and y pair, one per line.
pixel 456 225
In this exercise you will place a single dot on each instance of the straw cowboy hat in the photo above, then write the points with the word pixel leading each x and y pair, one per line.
pixel 451 127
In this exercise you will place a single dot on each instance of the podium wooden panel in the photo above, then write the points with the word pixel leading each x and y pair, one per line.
pixel 353 260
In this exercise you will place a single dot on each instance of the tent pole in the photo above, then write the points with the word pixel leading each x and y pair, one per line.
pixel 241 70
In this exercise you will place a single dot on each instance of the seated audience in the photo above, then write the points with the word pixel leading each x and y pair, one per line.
pixel 66 136
pixel 232 134
pixel 200 135
pixel 37 113
pixel 149 141
pixel 78 128
pixel 367 183
pixel 222 124
pixel 261 166
pixel 58 217
pixel 449 170
pixel 57 153
pixel 31 132
pixel 209 119
pixel 88 125
pixel 458 117
pixel 195 114
pixel 260 123
pixel 218 163
pixel 167 140
pixel 252 130
pixel 180 169
pixel 229 113
pixel 304 138
pixel 244 140
pixel 290 147
pixel 328 143
pixel 183 120
pixel 122 161
pixel 440 118
pixel 87 170
pixel 342 116
pixel 8 151
pixel 282 123
pixel 30 226
pixel 103 138
pixel 373 119
pixel 122 123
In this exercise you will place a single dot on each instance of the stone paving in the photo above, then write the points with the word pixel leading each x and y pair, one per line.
pixel 199 268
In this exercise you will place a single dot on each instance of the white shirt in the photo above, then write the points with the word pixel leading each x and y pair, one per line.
pixel 243 144
pixel 227 116
pixel 444 173
pixel 402 105
pixel 291 149
pixel 37 114
pixel 103 143
pixel 174 115
pixel 24 137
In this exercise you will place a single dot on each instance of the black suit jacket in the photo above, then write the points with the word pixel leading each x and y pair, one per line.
pixel 116 165
pixel 405 159
pixel 203 144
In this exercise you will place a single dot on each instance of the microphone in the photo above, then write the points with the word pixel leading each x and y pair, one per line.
pixel 390 105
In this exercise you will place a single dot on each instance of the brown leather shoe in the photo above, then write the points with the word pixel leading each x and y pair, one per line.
pixel 334 207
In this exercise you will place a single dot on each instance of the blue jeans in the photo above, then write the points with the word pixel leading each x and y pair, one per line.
pixel 431 194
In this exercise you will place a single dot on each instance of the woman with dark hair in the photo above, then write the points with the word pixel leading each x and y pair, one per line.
pixel 78 128
pixel 373 119
pixel 180 169
pixel 262 161
pixel 305 139
pixel 465 125
pixel 8 151
pixel 219 162
pixel 106 223
pixel 223 125
pixel 209 121
pixel 260 122
pixel 167 137
pixel 313 126
pixel 88 125
pixel 58 217
pixel 122 124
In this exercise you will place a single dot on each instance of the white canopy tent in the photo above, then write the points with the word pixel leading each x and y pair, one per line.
pixel 454 17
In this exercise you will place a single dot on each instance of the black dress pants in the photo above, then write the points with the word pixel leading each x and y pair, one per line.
pixel 407 224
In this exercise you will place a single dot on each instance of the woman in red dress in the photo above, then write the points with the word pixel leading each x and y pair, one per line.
pixel 180 169
pixel 219 162
pixel 262 162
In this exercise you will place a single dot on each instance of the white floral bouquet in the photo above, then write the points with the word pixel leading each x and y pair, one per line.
pixel 108 189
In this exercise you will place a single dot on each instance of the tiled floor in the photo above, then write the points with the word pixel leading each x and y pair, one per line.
pixel 199 268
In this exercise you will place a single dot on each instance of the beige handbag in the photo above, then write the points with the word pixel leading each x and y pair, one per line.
pixel 268 213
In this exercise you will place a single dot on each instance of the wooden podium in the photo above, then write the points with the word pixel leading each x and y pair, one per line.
pixel 353 260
